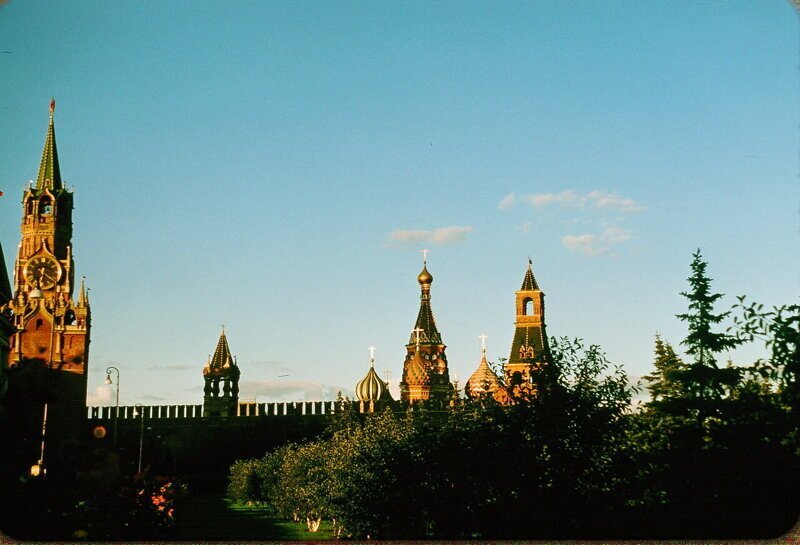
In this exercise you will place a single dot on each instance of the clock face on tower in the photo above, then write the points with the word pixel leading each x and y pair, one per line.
pixel 42 272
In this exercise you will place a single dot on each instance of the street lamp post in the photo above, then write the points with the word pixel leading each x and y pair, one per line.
pixel 140 413
pixel 116 410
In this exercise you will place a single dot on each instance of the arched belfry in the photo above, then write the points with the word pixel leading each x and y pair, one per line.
pixel 221 375
pixel 529 346
pixel 425 373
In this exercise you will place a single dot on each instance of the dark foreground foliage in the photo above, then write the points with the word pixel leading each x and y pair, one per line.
pixel 713 454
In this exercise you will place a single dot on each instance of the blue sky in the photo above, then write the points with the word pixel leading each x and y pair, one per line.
pixel 277 166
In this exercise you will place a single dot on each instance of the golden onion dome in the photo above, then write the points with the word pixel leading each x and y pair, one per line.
pixel 416 372
pixel 371 387
pixel 425 277
pixel 483 380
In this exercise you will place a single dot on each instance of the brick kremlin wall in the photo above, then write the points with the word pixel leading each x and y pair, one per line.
pixel 177 441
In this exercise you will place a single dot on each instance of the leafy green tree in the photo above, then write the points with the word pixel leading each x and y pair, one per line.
pixel 779 329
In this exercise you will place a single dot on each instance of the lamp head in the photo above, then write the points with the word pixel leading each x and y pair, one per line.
pixel 108 379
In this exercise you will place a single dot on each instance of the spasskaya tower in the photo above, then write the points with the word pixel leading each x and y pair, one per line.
pixel 51 325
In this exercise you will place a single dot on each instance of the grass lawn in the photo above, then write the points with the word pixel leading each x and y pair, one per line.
pixel 211 518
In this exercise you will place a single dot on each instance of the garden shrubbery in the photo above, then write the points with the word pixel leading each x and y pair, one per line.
pixel 714 452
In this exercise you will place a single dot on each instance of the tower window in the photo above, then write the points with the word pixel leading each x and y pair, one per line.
pixel 45 207
pixel 39 323
pixel 527 307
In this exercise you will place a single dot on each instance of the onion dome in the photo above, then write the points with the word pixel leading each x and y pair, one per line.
pixel 371 387
pixel 425 277
pixel 483 380
pixel 416 371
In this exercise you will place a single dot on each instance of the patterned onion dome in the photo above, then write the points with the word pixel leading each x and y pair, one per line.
pixel 425 277
pixel 482 381
pixel 371 387
pixel 416 372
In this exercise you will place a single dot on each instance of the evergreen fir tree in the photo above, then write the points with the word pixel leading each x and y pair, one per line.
pixel 704 377
pixel 661 382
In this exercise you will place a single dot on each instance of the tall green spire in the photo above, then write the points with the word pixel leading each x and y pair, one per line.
pixel 49 172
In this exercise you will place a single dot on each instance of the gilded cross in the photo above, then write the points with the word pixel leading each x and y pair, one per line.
pixel 425 253
pixel 483 341
pixel 417 332
pixel 371 353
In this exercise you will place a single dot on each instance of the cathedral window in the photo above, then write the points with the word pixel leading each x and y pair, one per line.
pixel 45 207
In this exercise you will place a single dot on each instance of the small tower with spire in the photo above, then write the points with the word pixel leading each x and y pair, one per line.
pixel 425 373
pixel 529 347
pixel 221 376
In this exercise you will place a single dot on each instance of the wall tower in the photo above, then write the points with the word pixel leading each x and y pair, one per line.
pixel 529 346
pixel 221 368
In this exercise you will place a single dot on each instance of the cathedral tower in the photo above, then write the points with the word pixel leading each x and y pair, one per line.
pixel 425 373
pixel 50 325
pixel 221 368
pixel 529 346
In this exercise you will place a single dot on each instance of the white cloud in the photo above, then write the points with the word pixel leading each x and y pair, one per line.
pixel 593 199
pixel 290 390
pixel 507 202
pixel 594 245
pixel 441 236
pixel 101 396
pixel 565 197
pixel 607 200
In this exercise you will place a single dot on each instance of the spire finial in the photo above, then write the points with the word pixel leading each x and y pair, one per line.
pixel 417 331
pixel 371 356
pixel 483 342
pixel 82 293
pixel 52 106
pixel 425 253
pixel 530 262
